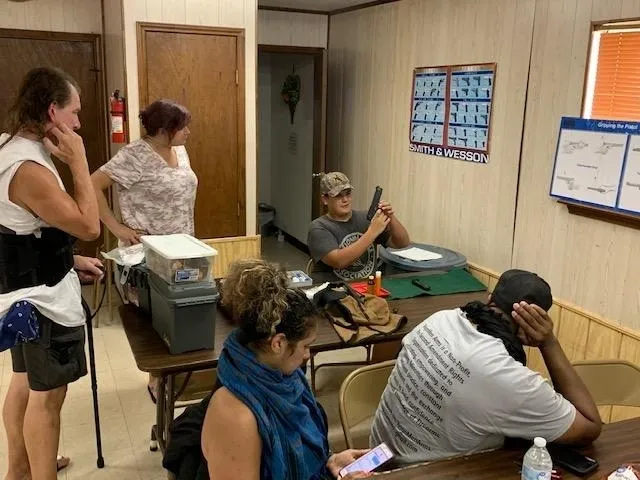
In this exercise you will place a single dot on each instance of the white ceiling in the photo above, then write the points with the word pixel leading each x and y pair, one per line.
pixel 320 5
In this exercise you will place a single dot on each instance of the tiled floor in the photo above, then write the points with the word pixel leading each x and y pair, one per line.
pixel 126 410
pixel 284 253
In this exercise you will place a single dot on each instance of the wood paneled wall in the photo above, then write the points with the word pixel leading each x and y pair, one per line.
pixel 372 54
pixel 292 29
pixel 114 54
pixel 541 48
pixel 593 264
pixel 583 336
pixel 231 249
pixel 78 16
pixel 216 13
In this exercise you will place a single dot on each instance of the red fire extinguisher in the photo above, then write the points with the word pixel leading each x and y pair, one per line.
pixel 117 118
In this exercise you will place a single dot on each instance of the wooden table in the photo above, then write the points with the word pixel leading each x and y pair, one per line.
pixel 618 444
pixel 152 355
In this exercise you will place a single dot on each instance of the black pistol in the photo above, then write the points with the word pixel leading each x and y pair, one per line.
pixel 374 203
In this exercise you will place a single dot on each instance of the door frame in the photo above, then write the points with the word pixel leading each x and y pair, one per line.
pixel 319 113
pixel 142 28
pixel 101 92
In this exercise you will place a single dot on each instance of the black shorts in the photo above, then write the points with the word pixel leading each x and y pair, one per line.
pixel 56 359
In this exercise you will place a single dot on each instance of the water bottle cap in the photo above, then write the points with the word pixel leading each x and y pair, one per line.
pixel 539 442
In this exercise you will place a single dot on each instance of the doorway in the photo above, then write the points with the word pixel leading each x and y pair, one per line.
pixel 80 55
pixel 203 69
pixel 291 141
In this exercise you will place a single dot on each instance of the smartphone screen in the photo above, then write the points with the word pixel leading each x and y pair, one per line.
pixel 369 461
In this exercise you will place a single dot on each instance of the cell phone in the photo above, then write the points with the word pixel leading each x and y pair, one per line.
pixel 571 460
pixel 374 203
pixel 369 461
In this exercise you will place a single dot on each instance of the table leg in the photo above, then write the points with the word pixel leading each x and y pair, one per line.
pixel 108 286
pixel 169 408
pixel 160 412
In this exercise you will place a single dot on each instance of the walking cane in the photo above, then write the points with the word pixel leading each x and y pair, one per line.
pixel 94 382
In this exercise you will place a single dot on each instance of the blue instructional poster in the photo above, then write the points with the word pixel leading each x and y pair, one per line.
pixel 429 106
pixel 597 163
pixel 470 109
pixel 451 111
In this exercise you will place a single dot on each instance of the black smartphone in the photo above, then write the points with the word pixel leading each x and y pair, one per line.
pixel 377 195
pixel 571 460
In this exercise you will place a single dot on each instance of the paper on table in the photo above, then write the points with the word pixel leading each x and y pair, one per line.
pixel 417 254
pixel 126 256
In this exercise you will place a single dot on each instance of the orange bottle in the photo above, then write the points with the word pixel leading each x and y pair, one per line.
pixel 377 290
pixel 371 285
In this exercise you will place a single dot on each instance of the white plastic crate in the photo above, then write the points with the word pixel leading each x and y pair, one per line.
pixel 179 258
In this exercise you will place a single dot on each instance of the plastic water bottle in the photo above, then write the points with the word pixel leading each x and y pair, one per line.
pixel 619 474
pixel 537 464
pixel 622 473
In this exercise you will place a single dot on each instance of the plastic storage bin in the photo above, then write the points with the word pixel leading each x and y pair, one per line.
pixel 184 315
pixel 179 258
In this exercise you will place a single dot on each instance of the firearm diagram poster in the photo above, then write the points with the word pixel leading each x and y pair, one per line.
pixel 598 163
pixel 451 110
pixel 630 190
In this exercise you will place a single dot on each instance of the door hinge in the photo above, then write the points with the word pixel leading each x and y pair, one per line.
pixel 238 209
pixel 237 78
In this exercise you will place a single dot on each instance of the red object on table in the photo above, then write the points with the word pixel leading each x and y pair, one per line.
pixel 361 288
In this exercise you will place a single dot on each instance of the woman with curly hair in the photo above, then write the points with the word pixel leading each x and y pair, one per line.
pixel 264 422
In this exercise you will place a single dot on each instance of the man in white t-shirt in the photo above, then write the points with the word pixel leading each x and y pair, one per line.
pixel 460 384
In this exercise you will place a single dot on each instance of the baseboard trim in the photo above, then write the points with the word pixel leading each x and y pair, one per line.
pixel 296 243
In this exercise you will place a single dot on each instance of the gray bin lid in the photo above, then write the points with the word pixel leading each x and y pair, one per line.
pixel 449 260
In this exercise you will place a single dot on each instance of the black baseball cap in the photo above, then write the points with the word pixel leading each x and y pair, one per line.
pixel 515 286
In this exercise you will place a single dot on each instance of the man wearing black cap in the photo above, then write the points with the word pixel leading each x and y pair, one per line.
pixel 461 385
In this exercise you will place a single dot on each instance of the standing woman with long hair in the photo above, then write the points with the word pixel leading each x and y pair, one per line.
pixel 39 221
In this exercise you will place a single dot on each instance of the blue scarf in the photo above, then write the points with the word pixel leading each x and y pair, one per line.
pixel 19 325
pixel 290 422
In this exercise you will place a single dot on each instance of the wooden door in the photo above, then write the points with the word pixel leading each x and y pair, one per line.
pixel 80 56
pixel 202 68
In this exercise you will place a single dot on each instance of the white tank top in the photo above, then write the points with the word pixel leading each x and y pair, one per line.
pixel 61 303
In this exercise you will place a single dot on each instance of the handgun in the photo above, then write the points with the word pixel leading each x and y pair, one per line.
pixel 606 146
pixel 374 203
